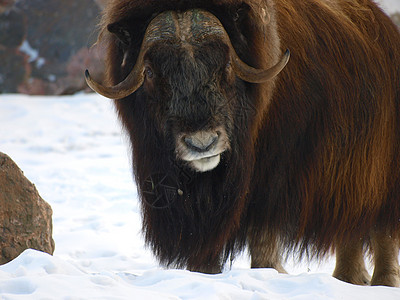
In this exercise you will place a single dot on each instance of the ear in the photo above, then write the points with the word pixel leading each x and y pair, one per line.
pixel 121 31
pixel 259 12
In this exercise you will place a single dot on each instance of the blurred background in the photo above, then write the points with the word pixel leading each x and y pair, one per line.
pixel 45 45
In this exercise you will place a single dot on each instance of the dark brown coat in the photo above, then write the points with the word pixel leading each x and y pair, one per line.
pixel 313 163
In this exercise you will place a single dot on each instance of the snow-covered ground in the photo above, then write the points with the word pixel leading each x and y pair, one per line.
pixel 73 150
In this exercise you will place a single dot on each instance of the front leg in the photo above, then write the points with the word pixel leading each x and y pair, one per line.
pixel 207 269
pixel 350 265
pixel 385 249
pixel 265 251
pixel 207 266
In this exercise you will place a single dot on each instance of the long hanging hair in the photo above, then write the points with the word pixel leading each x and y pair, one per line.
pixel 314 155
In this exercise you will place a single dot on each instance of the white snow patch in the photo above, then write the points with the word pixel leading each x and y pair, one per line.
pixel 26 48
pixel 33 54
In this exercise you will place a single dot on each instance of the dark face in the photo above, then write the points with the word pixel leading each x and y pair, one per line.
pixel 190 94
pixel 191 84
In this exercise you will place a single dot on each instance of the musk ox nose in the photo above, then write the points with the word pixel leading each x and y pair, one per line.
pixel 202 150
pixel 201 141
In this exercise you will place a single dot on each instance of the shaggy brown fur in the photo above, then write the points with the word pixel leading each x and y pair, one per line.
pixel 314 161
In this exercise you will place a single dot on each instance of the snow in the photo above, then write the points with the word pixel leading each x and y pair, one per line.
pixel 33 54
pixel 390 6
pixel 73 150
pixel 28 50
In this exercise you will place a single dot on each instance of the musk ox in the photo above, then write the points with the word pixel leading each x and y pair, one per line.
pixel 235 145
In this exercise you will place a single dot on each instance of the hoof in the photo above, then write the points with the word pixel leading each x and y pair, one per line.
pixel 359 278
pixel 387 278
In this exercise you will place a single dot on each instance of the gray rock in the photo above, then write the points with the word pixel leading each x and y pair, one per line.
pixel 25 218
pixel 14 69
pixel 12 28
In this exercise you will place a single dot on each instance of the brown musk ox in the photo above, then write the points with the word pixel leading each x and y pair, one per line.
pixel 235 145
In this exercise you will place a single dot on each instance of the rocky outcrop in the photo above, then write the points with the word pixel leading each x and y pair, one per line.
pixel 25 218
pixel 41 42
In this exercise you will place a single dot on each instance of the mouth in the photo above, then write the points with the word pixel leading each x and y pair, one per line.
pixel 202 150
pixel 205 164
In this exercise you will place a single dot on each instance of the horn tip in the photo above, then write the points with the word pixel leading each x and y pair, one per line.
pixel 287 54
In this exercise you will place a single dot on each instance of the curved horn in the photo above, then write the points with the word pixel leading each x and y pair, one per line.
pixel 250 74
pixel 123 89
pixel 131 83
pixel 242 70
pixel 159 28
pixel 162 27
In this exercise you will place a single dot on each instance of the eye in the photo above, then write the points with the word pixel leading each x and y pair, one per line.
pixel 148 72
pixel 228 67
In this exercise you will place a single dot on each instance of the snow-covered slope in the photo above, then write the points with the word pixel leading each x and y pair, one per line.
pixel 73 150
